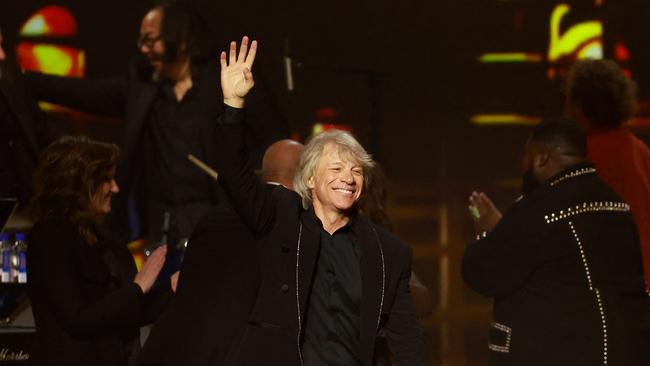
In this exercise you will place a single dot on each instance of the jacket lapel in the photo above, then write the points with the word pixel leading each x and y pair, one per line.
pixel 136 119
pixel 309 246
pixel 372 276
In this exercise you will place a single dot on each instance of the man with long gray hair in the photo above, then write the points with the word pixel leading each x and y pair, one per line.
pixel 332 281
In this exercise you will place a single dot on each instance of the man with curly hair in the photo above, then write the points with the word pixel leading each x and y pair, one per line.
pixel 602 99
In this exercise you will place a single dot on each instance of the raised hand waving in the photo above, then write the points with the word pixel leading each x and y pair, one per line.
pixel 236 76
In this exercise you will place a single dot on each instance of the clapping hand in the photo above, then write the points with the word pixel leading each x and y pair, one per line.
pixel 236 76
pixel 174 281
pixel 150 269
pixel 485 214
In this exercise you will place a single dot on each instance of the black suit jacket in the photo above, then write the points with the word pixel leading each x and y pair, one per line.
pixel 85 312
pixel 216 292
pixel 564 268
pixel 131 98
pixel 289 254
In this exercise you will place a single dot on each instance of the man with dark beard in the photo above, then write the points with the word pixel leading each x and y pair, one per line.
pixel 563 264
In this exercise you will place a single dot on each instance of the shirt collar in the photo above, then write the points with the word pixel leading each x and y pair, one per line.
pixel 313 222
pixel 166 86
pixel 571 173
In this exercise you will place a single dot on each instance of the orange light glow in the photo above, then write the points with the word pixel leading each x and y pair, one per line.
pixel 50 21
pixel 53 22
pixel 621 53
pixel 627 73
pixel 642 122
pixel 137 248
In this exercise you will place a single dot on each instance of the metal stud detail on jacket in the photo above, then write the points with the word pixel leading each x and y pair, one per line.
pixel 505 348
pixel 298 292
pixel 383 275
pixel 599 301
pixel 574 174
pixel 587 207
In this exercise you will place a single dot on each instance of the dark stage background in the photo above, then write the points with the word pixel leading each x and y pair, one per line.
pixel 410 78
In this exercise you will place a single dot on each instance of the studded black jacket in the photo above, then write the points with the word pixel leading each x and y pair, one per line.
pixel 564 268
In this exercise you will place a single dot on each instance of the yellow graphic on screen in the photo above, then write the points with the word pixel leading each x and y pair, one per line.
pixel 504 119
pixel 580 41
pixel 53 59
pixel 510 57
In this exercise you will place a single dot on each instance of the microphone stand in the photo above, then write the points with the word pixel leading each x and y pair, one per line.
pixel 373 78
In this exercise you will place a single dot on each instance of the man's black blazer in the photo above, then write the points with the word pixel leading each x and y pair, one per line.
pixel 216 292
pixel 564 268
pixel 289 254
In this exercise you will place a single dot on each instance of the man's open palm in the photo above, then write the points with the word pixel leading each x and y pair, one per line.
pixel 236 76
pixel 488 215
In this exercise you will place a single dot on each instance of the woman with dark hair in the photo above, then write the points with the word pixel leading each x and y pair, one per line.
pixel 87 299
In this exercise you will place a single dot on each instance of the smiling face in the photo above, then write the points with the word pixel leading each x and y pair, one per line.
pixel 102 197
pixel 151 44
pixel 337 182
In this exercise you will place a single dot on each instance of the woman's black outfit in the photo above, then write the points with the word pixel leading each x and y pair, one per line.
pixel 87 308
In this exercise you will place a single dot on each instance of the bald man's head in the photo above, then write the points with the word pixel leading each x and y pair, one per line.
pixel 280 162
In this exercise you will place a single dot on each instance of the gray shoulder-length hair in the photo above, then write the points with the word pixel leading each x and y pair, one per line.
pixel 346 145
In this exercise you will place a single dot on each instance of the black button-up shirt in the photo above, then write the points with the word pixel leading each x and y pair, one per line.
pixel 173 184
pixel 332 332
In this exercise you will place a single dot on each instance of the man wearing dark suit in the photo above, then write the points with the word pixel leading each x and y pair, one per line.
pixel 204 325
pixel 24 132
pixel 563 264
pixel 216 291
pixel 331 280
pixel 168 103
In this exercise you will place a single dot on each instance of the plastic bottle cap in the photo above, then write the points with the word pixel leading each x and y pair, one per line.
pixel 4 236
pixel 20 237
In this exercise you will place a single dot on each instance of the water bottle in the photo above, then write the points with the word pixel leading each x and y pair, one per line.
pixel 20 250
pixel 5 258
